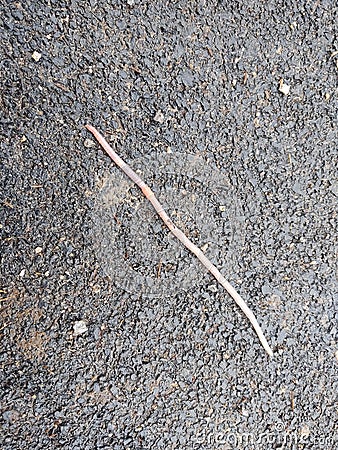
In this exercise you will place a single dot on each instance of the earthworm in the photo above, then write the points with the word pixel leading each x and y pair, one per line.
pixel 148 193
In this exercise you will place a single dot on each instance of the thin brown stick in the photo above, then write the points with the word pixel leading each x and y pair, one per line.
pixel 181 236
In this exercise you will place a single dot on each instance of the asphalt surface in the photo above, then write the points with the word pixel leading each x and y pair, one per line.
pixel 113 336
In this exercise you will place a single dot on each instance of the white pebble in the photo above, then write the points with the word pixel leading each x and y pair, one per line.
pixel 159 117
pixel 80 327
pixel 36 56
pixel 284 88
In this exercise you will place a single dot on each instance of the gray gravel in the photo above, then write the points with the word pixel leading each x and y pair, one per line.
pixel 113 336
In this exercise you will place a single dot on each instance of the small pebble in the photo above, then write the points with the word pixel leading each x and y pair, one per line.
pixel 36 56
pixel 305 431
pixel 284 88
pixel 159 117
pixel 80 327
pixel 205 247
pixel 88 143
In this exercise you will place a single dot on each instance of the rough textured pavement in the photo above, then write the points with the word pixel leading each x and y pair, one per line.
pixel 113 336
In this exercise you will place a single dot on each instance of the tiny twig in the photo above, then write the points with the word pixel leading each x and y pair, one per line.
pixel 181 236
